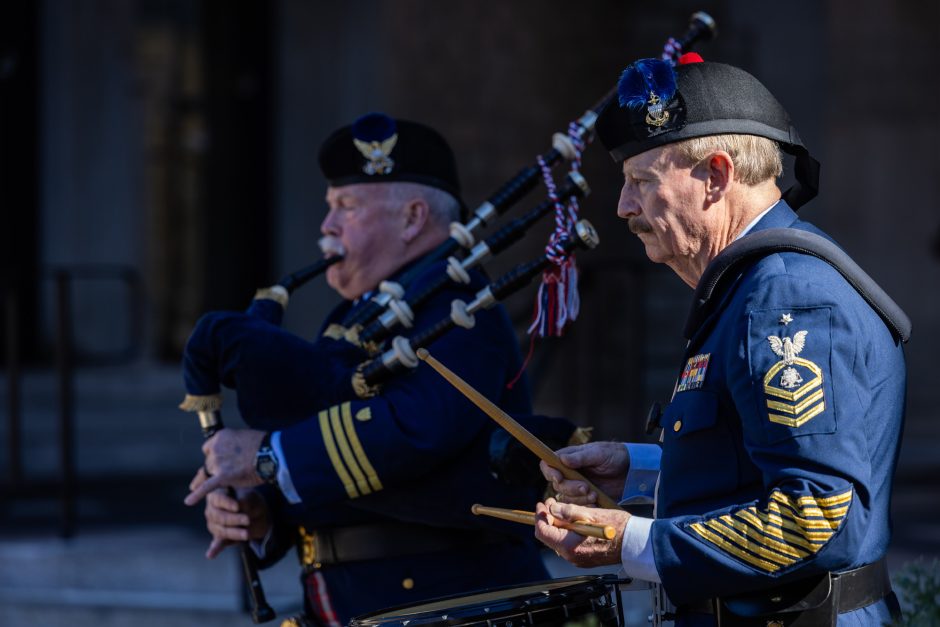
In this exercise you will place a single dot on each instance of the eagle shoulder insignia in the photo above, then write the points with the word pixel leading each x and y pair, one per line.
pixel 793 386
pixel 787 348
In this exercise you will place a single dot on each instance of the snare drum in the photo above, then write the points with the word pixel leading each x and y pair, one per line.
pixel 589 601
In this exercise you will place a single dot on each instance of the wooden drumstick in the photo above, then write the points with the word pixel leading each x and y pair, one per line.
pixel 603 532
pixel 541 450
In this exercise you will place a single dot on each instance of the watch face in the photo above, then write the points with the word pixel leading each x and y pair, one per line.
pixel 266 465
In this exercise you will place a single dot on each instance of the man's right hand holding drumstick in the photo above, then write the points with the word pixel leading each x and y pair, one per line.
pixel 605 464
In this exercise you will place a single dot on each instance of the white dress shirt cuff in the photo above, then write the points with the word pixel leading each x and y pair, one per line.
pixel 636 553
pixel 284 482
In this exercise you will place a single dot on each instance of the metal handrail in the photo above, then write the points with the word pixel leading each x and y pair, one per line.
pixel 103 272
pixel 66 359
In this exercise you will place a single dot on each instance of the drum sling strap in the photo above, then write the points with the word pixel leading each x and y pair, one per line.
pixel 818 600
pixel 725 269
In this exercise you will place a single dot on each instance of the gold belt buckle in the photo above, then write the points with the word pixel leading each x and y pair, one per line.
pixel 308 548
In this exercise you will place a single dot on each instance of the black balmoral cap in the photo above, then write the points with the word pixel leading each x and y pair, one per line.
pixel 379 149
pixel 658 104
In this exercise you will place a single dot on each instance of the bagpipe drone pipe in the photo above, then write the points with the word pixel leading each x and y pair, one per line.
pixel 402 354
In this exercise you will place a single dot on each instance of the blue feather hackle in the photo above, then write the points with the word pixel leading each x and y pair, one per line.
pixel 373 127
pixel 645 76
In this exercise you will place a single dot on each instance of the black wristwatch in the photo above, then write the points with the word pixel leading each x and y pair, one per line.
pixel 266 461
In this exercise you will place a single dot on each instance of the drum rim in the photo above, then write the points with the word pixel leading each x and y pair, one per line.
pixel 370 620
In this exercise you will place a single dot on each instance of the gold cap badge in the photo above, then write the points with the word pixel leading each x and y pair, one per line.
pixel 377 154
pixel 656 115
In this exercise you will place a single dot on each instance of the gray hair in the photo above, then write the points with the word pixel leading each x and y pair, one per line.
pixel 756 159
pixel 444 208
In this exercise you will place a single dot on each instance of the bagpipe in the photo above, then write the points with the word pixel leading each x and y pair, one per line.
pixel 403 351
pixel 281 378
pixel 249 352
pixel 400 312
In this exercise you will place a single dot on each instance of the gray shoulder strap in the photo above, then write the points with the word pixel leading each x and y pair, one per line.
pixel 724 270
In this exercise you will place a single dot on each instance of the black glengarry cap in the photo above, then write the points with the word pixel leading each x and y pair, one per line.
pixel 379 149
pixel 659 104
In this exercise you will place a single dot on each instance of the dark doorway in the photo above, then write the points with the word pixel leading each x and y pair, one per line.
pixel 19 179
pixel 213 175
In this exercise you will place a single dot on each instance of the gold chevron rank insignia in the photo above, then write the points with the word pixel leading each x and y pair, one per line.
pixel 793 386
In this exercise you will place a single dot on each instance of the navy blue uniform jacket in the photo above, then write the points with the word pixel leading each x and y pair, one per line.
pixel 782 438
pixel 416 452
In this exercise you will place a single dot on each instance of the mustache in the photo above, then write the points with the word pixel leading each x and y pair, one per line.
pixel 331 246
pixel 637 225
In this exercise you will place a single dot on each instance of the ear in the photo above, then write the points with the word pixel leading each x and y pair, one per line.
pixel 719 176
pixel 417 213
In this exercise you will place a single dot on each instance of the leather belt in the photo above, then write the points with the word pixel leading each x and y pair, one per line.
pixel 359 543
pixel 863 586
pixel 849 590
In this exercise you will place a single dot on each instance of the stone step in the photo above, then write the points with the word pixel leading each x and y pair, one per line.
pixel 139 575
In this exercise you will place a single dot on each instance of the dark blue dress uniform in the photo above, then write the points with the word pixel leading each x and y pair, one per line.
pixel 782 436
pixel 416 453
pixel 795 389
pixel 377 492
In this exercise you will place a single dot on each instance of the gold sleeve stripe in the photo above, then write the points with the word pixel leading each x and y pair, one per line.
pixel 771 530
pixel 344 448
pixel 333 454
pixel 804 527
pixel 728 547
pixel 793 536
pixel 809 500
pixel 360 452
pixel 776 532
pixel 791 525
pixel 742 542
pixel 785 511
pixel 804 511
pixel 833 516
pixel 835 512
pixel 828 501
pixel 807 511
pixel 751 534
